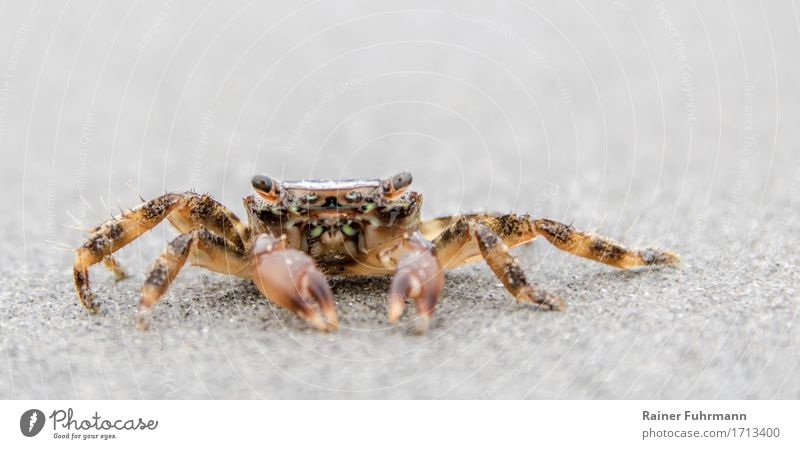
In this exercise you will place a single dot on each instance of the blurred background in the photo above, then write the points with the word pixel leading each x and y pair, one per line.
pixel 667 123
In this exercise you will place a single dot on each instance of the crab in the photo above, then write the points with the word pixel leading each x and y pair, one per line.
pixel 298 232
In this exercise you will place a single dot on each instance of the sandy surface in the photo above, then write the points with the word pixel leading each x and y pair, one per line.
pixel 669 124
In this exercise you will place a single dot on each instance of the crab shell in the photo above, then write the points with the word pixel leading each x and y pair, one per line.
pixel 340 223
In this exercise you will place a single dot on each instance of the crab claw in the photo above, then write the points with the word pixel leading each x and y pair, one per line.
pixel 419 276
pixel 290 278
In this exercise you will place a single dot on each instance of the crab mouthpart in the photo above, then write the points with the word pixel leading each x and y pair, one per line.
pixel 332 237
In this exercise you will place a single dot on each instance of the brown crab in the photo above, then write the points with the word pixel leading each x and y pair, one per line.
pixel 299 231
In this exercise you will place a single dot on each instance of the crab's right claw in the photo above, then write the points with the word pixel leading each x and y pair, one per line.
pixel 290 279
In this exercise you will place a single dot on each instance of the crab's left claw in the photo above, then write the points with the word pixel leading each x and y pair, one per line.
pixel 419 276
pixel 290 278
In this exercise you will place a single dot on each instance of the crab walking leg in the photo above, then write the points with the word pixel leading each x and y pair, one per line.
pixel 186 211
pixel 434 227
pixel 489 238
pixel 290 278
pixel 507 269
pixel 601 249
pixel 113 235
pixel 419 276
pixel 111 263
pixel 200 247
pixel 456 244
pixel 197 210
pixel 161 274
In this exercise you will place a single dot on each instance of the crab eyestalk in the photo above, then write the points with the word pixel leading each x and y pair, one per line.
pixel 290 279
pixel 394 186
pixel 267 188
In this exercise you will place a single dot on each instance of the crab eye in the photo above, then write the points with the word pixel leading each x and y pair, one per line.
pixel 262 182
pixel 295 209
pixel 401 180
pixel 395 185
pixel 368 207
pixel 267 188
pixel 315 232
